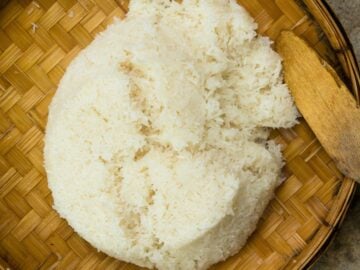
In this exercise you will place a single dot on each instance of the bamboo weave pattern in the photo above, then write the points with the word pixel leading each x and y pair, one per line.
pixel 38 39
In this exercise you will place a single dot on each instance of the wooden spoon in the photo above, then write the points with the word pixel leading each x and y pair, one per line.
pixel 324 101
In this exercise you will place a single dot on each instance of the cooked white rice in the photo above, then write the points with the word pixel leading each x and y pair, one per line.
pixel 156 146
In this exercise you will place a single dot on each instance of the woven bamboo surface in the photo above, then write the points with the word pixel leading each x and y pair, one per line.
pixel 37 42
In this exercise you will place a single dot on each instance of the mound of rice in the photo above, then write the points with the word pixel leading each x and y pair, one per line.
pixel 156 146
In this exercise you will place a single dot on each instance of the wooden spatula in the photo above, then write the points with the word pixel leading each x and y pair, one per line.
pixel 324 101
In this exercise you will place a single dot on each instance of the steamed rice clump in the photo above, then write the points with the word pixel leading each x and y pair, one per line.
pixel 156 146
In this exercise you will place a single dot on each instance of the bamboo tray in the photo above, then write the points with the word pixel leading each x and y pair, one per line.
pixel 37 42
